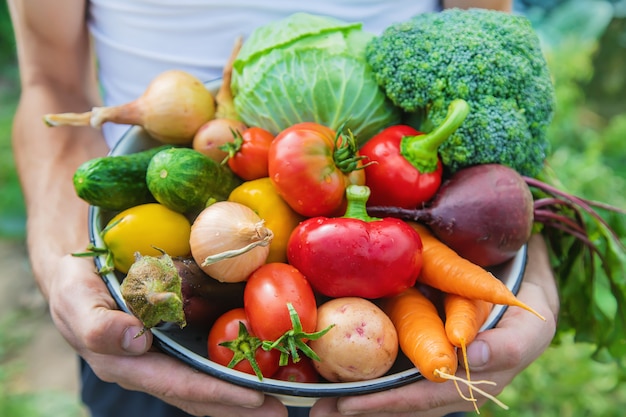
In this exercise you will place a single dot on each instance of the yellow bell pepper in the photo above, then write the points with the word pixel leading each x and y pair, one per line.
pixel 261 196
pixel 143 229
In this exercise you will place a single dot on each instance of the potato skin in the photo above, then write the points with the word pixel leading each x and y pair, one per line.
pixel 362 345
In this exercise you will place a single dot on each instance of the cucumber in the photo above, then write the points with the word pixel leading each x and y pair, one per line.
pixel 115 182
pixel 186 180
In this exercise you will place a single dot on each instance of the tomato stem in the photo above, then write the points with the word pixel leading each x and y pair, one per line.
pixel 294 339
pixel 346 156
pixel 244 347
pixel 232 147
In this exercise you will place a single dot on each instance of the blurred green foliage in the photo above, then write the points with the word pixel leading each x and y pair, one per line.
pixel 12 218
pixel 14 402
pixel 564 382
pixel 12 211
pixel 588 157
pixel 7 43
pixel 586 51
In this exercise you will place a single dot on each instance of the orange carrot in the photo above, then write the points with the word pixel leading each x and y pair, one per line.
pixel 447 271
pixel 464 318
pixel 424 342
pixel 421 334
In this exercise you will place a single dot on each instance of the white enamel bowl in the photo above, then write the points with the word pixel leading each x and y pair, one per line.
pixel 190 347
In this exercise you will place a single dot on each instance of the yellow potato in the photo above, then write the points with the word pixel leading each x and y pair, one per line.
pixel 362 345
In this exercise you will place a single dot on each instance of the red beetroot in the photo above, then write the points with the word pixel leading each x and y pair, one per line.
pixel 484 213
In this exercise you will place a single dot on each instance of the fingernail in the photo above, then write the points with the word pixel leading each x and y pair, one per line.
pixel 134 340
pixel 478 354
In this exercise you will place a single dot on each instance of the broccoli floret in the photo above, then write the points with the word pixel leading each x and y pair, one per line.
pixel 491 59
pixel 497 131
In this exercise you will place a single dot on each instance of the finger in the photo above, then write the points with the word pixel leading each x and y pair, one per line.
pixel 171 380
pixel 520 337
pixel 88 317
pixel 539 271
pixel 272 407
pixel 423 398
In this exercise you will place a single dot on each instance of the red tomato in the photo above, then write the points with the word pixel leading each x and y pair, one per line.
pixel 310 167
pixel 301 371
pixel 268 291
pixel 249 157
pixel 227 328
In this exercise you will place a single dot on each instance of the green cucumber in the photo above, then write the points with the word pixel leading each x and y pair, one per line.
pixel 116 182
pixel 186 180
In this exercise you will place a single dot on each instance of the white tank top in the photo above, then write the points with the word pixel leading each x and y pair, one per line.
pixel 136 40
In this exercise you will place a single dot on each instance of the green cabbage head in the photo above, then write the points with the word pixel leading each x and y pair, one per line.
pixel 310 68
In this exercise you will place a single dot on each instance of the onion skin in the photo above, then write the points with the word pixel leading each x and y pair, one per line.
pixel 222 229
pixel 171 109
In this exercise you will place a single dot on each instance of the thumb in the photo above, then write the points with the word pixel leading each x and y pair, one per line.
pixel 136 340
pixel 520 337
pixel 88 317
pixel 111 332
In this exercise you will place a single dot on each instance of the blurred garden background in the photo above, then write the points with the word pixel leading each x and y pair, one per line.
pixel 585 43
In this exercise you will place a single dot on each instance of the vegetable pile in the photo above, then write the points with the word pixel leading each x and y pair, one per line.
pixel 321 248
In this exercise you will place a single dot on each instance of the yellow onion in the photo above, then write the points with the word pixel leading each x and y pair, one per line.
pixel 229 241
pixel 171 109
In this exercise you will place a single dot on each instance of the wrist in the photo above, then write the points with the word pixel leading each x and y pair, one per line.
pixel 49 241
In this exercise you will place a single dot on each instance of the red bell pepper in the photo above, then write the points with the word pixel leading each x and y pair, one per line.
pixel 356 255
pixel 402 167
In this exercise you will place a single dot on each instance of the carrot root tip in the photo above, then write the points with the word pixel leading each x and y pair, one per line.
pixel 472 385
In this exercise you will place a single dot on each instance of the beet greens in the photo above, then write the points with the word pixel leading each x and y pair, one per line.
pixel 585 235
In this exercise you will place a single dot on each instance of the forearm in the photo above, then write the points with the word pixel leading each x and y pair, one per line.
pixel 46 159
pixel 503 5
pixel 56 75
